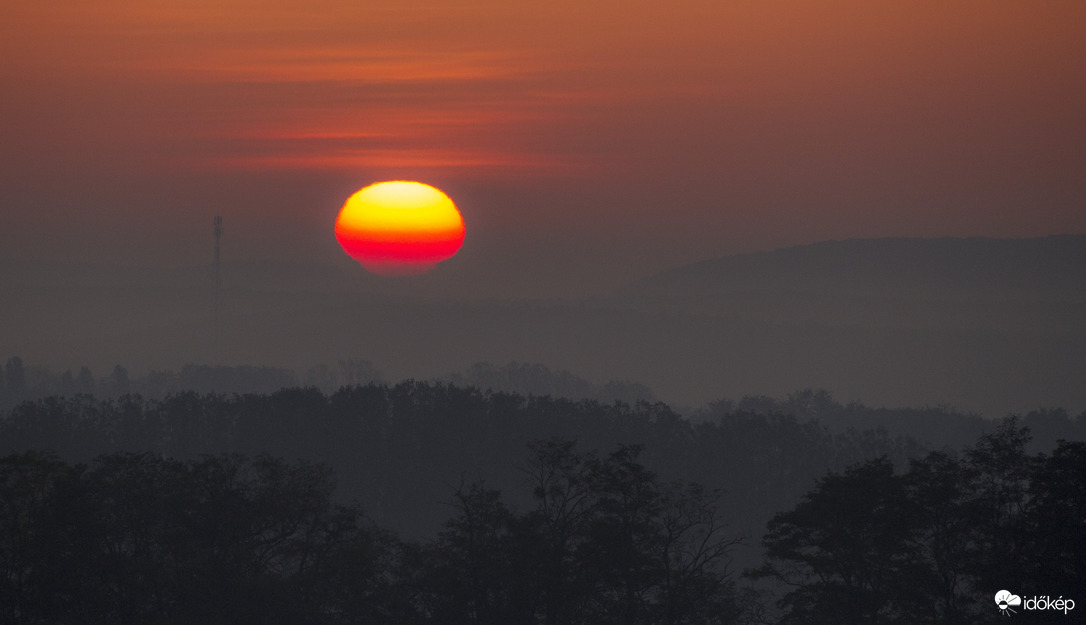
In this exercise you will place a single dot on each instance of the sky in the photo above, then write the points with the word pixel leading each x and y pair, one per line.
pixel 587 143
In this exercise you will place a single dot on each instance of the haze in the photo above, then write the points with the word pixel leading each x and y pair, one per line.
pixel 587 144
pixel 765 311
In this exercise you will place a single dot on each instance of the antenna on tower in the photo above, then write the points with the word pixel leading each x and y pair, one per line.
pixel 218 273
pixel 216 304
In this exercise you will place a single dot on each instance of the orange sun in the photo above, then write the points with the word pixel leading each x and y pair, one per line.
pixel 399 228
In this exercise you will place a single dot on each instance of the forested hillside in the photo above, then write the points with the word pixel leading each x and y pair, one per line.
pixel 400 450
pixel 431 503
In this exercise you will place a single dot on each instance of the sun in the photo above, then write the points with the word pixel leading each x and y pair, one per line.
pixel 399 228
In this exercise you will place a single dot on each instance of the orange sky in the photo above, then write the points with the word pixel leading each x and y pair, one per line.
pixel 614 137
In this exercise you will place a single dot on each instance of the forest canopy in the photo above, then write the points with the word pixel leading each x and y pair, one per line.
pixel 430 502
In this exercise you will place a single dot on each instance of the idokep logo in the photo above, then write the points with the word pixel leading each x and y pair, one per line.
pixel 1006 601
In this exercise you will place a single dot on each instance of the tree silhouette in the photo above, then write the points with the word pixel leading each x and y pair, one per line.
pixel 85 383
pixel 138 538
pixel 927 546
pixel 845 548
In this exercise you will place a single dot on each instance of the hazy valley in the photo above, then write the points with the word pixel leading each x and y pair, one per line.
pixel 992 326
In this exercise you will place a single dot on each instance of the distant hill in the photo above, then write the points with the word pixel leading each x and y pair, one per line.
pixel 985 325
pixel 251 275
pixel 1013 284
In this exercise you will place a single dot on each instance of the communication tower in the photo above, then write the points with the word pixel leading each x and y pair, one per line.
pixel 216 303
pixel 218 275
pixel 217 270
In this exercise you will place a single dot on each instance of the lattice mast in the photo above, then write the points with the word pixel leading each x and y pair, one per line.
pixel 216 268
pixel 216 303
